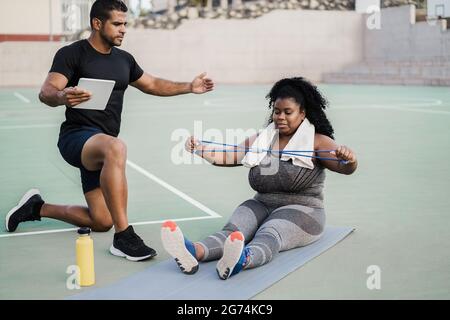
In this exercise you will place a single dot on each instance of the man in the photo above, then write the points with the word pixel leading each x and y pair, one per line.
pixel 88 138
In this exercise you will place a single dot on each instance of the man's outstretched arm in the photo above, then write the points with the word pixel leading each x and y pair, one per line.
pixel 161 87
pixel 54 92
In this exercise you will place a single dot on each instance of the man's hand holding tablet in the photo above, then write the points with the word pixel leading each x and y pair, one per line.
pixel 90 94
pixel 73 96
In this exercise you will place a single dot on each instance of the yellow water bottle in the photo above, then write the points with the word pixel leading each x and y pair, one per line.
pixel 85 257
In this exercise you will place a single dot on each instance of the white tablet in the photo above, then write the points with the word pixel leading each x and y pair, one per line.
pixel 100 90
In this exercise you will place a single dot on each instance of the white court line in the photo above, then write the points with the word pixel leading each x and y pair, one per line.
pixel 173 189
pixel 431 102
pixel 29 126
pixel 211 214
pixel 423 111
pixel 74 229
pixel 180 219
pixel 391 108
pixel 35 232
pixel 21 97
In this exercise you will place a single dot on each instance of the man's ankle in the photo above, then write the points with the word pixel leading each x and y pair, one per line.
pixel 120 229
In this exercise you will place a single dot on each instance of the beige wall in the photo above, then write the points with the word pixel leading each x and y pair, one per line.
pixel 281 43
pixel 25 63
pixel 30 17
pixel 284 42
pixel 402 52
pixel 402 39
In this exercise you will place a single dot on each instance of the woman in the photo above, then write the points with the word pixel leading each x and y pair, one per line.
pixel 287 211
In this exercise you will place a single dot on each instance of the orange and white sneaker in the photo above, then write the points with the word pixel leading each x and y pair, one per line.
pixel 234 256
pixel 180 248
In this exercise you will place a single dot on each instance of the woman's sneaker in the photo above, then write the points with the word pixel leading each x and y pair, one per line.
pixel 235 256
pixel 129 245
pixel 28 209
pixel 181 249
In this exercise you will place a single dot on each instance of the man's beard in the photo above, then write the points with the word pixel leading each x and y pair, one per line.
pixel 107 40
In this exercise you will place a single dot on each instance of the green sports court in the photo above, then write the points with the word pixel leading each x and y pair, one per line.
pixel 397 200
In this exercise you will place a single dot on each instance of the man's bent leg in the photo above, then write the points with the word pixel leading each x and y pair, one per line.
pixel 108 154
pixel 76 215
pixel 96 215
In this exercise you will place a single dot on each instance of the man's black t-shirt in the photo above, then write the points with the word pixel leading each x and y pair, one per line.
pixel 81 60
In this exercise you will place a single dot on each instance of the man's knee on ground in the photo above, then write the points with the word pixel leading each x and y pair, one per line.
pixel 102 225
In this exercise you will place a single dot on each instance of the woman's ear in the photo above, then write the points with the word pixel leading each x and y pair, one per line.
pixel 302 114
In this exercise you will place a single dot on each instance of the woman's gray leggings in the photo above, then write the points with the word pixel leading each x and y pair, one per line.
pixel 268 232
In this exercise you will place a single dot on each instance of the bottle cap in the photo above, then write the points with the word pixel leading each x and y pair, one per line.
pixel 84 230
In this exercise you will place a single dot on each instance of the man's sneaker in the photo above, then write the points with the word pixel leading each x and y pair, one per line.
pixel 28 209
pixel 234 256
pixel 129 245
pixel 181 249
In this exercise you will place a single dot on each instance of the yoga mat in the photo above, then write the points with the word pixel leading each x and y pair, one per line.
pixel 164 281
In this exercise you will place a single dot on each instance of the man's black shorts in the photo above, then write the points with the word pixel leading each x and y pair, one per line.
pixel 70 145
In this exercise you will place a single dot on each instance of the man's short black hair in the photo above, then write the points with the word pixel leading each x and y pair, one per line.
pixel 101 9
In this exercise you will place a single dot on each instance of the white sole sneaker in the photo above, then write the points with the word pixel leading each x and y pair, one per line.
pixel 173 242
pixel 232 251
pixel 116 252
pixel 22 201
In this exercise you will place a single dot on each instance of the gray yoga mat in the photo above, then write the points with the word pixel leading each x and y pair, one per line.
pixel 165 281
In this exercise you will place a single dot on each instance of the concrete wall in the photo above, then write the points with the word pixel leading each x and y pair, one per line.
pixel 261 50
pixel 281 43
pixel 401 52
pixel 437 6
pixel 25 63
pixel 362 6
pixel 401 38
pixel 30 17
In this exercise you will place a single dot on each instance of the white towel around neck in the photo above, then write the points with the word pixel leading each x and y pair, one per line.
pixel 303 139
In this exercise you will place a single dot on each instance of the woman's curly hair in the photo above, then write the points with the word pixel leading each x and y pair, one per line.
pixel 308 97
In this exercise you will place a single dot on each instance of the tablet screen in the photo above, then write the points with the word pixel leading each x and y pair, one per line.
pixel 100 90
